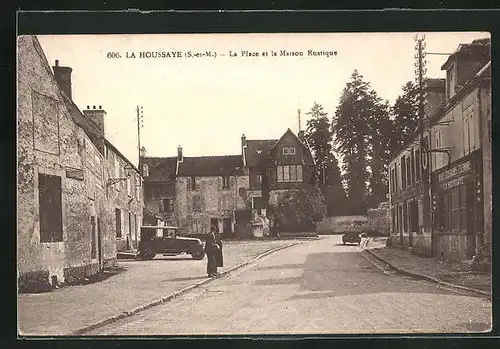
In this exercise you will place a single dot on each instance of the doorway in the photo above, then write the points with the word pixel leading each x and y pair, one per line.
pixel 214 222
pixel 226 227
pixel 100 254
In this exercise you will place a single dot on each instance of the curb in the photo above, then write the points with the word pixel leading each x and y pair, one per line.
pixel 430 278
pixel 175 294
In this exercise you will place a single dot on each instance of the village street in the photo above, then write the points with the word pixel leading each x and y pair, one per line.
pixel 320 286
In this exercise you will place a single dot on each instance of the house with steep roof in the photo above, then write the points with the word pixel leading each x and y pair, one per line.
pixel 276 166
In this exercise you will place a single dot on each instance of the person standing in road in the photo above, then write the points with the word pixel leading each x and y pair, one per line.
pixel 219 255
pixel 211 248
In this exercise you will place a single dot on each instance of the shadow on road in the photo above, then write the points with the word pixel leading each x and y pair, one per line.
pixel 345 274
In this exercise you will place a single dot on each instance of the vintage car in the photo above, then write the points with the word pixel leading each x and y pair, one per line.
pixel 167 240
pixel 352 237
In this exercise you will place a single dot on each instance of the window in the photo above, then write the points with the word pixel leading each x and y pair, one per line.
pixel 289 173
pixel 299 173
pixel 396 178
pixel 413 179
pixel 463 208
pixel 118 220
pixel 93 249
pixel 454 203
pixel 293 173
pixel 286 173
pixel 225 182
pixel 417 165
pixel 196 203
pixel 289 151
pixel 259 178
pixel 137 187
pixel 405 216
pixel 403 172
pixel 279 173
pixel 167 205
pixel 408 171
pixel 50 208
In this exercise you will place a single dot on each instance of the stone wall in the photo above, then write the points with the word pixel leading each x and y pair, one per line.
pixel 194 209
pixel 49 142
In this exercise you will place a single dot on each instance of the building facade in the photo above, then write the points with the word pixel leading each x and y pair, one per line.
pixel 457 146
pixel 59 189
pixel 125 198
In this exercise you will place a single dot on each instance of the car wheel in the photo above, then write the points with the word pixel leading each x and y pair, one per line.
pixel 147 254
pixel 343 242
pixel 198 255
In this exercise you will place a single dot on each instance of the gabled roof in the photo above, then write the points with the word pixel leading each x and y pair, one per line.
pixel 160 168
pixel 295 136
pixel 211 166
pixel 257 150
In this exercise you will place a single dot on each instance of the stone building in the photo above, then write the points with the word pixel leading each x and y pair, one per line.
pixel 210 191
pixel 60 186
pixel 125 198
pixel 458 145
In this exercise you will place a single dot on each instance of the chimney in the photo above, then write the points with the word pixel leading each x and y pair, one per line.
pixel 435 91
pixel 180 157
pixel 63 78
pixel 243 141
pixel 97 117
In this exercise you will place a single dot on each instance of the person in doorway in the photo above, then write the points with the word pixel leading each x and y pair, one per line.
pixel 211 248
pixel 219 255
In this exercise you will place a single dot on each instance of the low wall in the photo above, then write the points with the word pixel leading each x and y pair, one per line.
pixel 342 224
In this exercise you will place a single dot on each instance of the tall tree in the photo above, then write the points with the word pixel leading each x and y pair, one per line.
pixel 319 136
pixel 351 127
pixel 405 113
pixel 380 136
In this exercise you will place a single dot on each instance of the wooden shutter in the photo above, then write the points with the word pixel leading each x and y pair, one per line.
pixel 188 181
pixel 197 183
pixel 232 182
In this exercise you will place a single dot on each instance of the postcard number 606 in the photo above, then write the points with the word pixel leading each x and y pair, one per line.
pixel 114 55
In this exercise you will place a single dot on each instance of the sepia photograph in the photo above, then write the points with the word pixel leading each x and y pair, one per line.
pixel 254 184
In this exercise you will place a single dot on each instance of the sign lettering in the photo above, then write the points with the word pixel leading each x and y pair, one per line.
pixel 457 170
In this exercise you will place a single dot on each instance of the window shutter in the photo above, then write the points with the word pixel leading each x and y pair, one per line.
pixel 171 204
pixel 231 182
pixel 220 182
pixel 299 173
pixel 197 183
pixel 188 183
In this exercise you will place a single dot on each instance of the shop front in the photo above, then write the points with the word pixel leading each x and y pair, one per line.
pixel 457 208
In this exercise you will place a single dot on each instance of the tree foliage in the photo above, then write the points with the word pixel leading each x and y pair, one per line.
pixel 319 136
pixel 363 130
pixel 405 113
pixel 303 207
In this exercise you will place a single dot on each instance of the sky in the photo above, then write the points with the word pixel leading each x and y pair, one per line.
pixel 206 103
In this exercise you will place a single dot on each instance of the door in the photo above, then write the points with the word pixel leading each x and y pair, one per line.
pixel 100 254
pixel 214 222
pixel 226 227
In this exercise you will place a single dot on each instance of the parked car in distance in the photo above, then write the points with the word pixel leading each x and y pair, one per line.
pixel 352 237
pixel 167 240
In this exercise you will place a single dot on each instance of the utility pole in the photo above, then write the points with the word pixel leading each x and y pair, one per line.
pixel 420 71
pixel 140 124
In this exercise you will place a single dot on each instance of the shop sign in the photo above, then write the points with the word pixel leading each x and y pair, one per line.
pixel 74 173
pixel 454 182
pixel 455 171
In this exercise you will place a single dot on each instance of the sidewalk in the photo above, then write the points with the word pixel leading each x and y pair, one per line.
pixel 133 284
pixel 455 274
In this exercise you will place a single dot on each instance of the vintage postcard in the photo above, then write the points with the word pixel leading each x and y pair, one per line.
pixel 254 184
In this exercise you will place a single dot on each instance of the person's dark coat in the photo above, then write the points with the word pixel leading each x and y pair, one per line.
pixel 210 244
pixel 219 255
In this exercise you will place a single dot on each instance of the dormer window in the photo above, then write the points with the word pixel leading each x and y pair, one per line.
pixel 145 171
pixel 451 80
